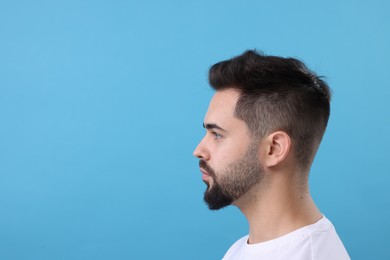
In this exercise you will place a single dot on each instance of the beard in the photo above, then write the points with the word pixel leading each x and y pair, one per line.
pixel 234 181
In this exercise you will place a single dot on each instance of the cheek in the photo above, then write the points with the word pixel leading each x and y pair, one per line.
pixel 225 156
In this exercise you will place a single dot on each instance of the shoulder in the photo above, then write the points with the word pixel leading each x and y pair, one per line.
pixel 318 241
pixel 235 249
pixel 325 242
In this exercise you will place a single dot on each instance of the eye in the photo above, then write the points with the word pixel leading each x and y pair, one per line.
pixel 217 135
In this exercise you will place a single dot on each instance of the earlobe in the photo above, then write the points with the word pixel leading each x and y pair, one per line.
pixel 278 148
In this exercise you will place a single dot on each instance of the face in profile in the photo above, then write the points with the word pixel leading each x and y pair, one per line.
pixel 229 158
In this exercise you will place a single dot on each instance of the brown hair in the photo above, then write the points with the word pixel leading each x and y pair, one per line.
pixel 277 94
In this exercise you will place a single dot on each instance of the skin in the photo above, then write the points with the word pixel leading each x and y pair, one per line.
pixel 281 202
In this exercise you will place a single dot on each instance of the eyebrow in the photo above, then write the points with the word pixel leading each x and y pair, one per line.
pixel 213 126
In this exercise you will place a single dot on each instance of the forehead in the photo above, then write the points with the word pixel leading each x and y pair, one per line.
pixel 222 107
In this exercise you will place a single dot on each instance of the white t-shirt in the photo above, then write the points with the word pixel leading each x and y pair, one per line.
pixel 318 241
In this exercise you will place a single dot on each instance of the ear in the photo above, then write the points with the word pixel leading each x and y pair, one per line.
pixel 276 147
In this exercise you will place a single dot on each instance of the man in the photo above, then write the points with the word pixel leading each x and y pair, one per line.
pixel 263 129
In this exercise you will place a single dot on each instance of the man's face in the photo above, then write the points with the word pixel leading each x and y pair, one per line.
pixel 228 156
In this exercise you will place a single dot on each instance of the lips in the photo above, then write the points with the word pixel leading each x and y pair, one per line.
pixel 207 172
pixel 204 171
pixel 205 175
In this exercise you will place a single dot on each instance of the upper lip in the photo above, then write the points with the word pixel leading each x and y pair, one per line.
pixel 203 171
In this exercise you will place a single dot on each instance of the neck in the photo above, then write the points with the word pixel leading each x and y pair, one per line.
pixel 276 207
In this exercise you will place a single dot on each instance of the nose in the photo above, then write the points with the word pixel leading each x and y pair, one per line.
pixel 201 151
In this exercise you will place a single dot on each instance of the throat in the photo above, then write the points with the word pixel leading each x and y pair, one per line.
pixel 270 218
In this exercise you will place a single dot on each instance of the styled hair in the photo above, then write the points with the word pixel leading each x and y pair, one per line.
pixel 277 94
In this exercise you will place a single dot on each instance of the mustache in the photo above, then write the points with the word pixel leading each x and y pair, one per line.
pixel 207 168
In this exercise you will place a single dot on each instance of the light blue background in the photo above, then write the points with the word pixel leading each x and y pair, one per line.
pixel 101 106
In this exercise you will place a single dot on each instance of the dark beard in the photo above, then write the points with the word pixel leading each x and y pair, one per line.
pixel 215 198
pixel 237 179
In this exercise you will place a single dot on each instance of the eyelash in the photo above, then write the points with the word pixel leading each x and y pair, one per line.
pixel 217 135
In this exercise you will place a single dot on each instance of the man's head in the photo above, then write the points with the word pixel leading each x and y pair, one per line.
pixel 259 96
pixel 229 157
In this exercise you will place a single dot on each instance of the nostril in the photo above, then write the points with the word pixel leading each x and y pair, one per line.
pixel 197 154
pixel 201 150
